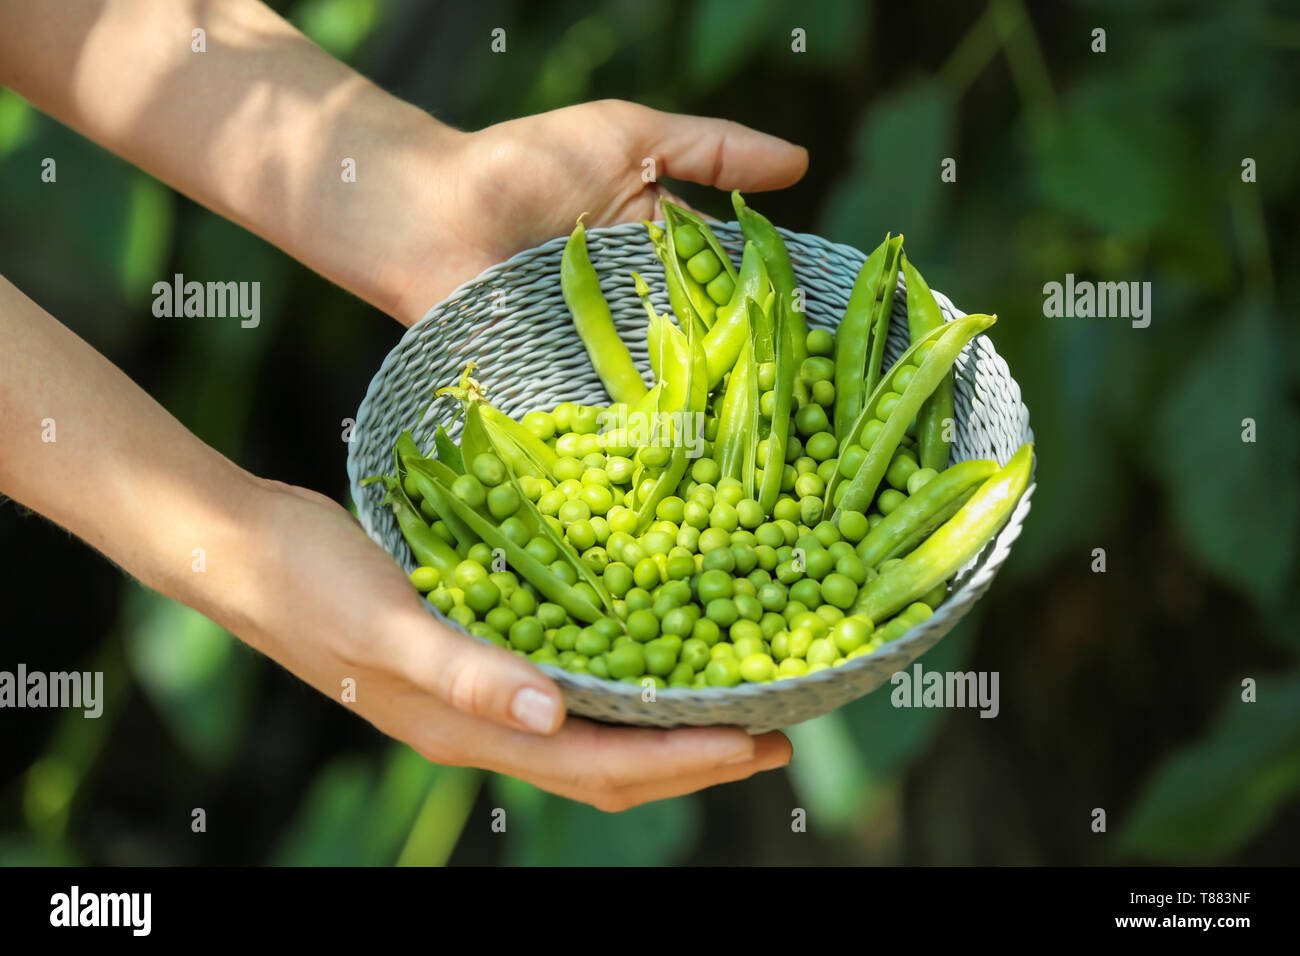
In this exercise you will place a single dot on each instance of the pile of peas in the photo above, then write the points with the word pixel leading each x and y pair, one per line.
pixel 715 591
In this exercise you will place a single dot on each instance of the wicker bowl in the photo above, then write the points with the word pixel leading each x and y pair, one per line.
pixel 513 322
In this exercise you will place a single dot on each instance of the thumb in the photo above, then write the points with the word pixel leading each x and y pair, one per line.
pixel 474 678
pixel 718 152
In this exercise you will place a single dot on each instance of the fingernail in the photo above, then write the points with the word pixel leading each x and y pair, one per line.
pixel 535 710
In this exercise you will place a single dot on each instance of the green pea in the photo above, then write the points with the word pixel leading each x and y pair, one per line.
pixel 772 596
pixel 643 625
pixel 568 468
pixel 646 573
pixel 599 666
pixel 935 596
pixel 487 468
pixel 695 653
pixel 541 424
pixel 839 590
pixel 806 591
pixel 900 470
pixel 885 406
pixel 500 618
pixel 425 578
pixel 723 672
pixel 870 431
pixel 823 393
pixel 746 557
pixel 590 642
pixel 681 676
pixel 757 668
pixel 791 667
pixel 718 559
pixel 626 661
pixel 488 633
pixel 919 479
pixel 566 638
pixel 853 525
pixel 714 584
pixel 442 599
pixel 890 500
pixel 707 631
pixel 749 513
pixel 722 611
pixel 661 657
pixel 522 602
pixel 724 517
pixel 657 542
pixel 748 607
pixel 721 289
pixel 766 375
pixel 482 595
pixel 822 651
pixel 638 599
pixel 780 643
pixel 817 562
pixel 820 342
pixel 687 240
pixel 526 634
pixel 817 368
pixel 680 566
pixel 851 633
pixel 811 419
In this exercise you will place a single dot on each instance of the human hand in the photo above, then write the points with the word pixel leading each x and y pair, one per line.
pixel 328 604
pixel 518 183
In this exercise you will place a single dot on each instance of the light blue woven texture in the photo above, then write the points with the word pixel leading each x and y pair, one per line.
pixel 513 322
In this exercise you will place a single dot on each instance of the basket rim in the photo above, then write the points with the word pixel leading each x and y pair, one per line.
pixel 944 618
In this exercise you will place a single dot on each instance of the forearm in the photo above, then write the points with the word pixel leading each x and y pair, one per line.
pixel 256 128
pixel 83 445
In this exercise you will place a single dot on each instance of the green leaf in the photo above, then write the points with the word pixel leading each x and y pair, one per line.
pixel 1210 798
pixel 1236 503
pixel 192 672
pixel 893 182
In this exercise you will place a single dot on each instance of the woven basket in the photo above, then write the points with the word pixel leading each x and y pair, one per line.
pixel 513 322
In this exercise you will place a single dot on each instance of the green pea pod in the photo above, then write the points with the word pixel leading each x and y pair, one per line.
pixel 736 421
pixel 674 218
pixel 653 330
pixel 913 521
pixel 448 452
pixel 474 440
pixel 883 307
pixel 923 314
pixel 678 300
pixel 958 540
pixel 429 549
pixel 787 365
pixel 948 343
pixel 516 445
pixel 536 573
pixel 424 472
pixel 853 338
pixel 760 231
pixel 730 332
pixel 595 324
pixel 405 447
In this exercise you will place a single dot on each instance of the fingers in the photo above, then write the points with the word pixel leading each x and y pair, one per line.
pixel 475 679
pixel 716 152
pixel 771 751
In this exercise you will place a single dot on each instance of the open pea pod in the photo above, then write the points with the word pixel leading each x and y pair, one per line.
pixel 923 314
pixel 864 327
pixel 916 518
pixel 730 332
pixel 678 298
pixel 424 472
pixel 958 540
pixel 759 230
pixel 737 421
pixel 448 452
pixel 787 365
pixel 428 549
pixel 536 573
pixel 487 428
pixel 701 264
pixel 942 346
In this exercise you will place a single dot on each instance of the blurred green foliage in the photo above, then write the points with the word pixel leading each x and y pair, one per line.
pixel 1116 166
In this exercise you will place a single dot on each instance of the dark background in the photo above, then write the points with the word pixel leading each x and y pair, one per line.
pixel 1119 690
